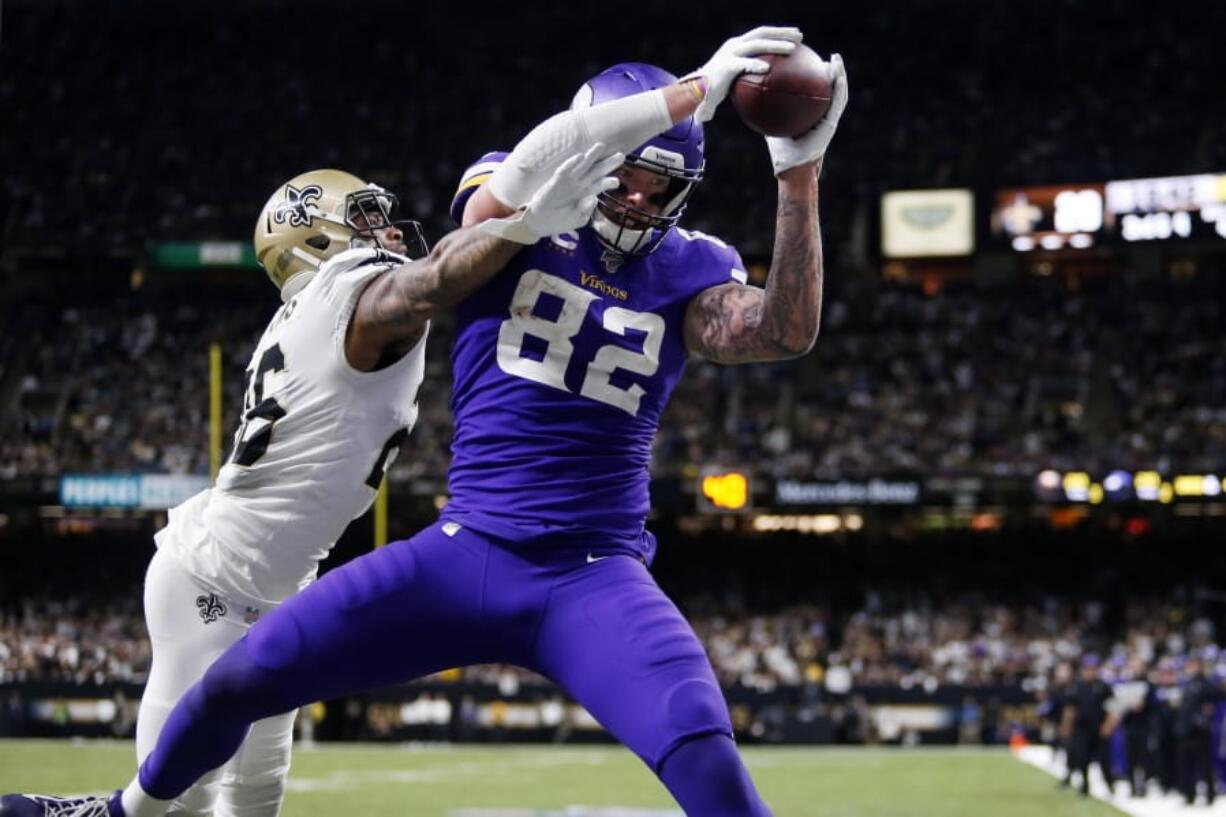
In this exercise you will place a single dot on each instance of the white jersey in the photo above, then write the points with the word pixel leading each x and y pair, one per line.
pixel 316 439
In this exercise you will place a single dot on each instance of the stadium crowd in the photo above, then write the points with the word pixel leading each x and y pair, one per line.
pixel 1121 374
pixel 115 157
pixel 890 641
pixel 79 640
pixel 965 381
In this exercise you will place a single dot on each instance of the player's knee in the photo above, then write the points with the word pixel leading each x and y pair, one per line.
pixel 246 681
pixel 696 705
pixel 276 642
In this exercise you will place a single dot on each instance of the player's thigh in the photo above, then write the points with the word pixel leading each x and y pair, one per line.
pixel 183 642
pixel 615 642
pixel 405 610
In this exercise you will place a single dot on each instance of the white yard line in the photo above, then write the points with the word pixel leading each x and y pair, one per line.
pixel 1153 804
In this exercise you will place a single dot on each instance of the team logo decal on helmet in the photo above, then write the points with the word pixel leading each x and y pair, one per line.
pixel 294 207
pixel 321 213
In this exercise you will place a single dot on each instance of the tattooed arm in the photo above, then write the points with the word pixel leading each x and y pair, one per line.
pixel 732 323
pixel 392 311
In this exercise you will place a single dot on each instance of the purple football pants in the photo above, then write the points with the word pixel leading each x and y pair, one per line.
pixel 601 630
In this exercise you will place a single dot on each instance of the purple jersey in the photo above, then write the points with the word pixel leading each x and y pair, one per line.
pixel 562 369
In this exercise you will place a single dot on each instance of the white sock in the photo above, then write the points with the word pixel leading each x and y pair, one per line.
pixel 136 803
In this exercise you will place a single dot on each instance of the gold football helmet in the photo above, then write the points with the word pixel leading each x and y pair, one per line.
pixel 319 214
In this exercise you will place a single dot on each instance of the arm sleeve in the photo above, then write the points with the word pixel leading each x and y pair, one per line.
pixel 622 125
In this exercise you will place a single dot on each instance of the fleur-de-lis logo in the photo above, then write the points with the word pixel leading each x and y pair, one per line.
pixel 211 608
pixel 294 207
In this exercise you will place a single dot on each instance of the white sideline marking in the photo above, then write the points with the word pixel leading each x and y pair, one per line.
pixel 351 780
pixel 348 781
pixel 1153 804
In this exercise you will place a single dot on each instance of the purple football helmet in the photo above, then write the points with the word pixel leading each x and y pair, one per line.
pixel 677 153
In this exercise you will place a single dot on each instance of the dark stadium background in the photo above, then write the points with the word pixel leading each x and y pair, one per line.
pixel 132 131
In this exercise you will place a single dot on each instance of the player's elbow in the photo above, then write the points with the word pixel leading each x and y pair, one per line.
pixel 796 342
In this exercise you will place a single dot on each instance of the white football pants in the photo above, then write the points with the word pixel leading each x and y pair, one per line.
pixel 252 783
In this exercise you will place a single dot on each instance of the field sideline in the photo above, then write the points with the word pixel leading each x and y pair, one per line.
pixel 369 780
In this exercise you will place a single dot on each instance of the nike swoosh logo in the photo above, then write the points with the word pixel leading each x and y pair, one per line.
pixel 591 558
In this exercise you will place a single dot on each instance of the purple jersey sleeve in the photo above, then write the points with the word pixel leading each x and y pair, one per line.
pixel 476 175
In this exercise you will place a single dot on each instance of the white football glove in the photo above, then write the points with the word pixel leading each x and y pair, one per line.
pixel 787 152
pixel 565 202
pixel 736 57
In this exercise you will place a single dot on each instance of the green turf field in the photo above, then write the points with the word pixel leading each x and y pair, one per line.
pixel 377 781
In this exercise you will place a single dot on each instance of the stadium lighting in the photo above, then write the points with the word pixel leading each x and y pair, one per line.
pixel 1077 486
pixel 724 491
pixel 816 524
pixel 1148 485
pixel 1049 480
pixel 1117 481
pixel 1189 485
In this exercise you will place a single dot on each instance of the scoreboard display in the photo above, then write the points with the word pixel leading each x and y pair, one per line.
pixel 1079 216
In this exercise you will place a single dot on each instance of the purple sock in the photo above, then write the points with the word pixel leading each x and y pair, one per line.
pixel 708 779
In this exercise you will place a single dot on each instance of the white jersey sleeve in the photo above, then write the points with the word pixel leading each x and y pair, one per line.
pixel 316 438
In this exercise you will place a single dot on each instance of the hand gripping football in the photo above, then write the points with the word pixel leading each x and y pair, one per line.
pixel 790 98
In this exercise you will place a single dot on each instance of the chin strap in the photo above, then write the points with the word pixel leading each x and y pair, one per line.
pixel 616 237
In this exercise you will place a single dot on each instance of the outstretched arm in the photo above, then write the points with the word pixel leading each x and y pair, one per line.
pixel 392 311
pixel 626 123
pixel 739 324
pixel 642 115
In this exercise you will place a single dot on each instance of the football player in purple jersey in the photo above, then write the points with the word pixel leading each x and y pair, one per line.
pixel 563 363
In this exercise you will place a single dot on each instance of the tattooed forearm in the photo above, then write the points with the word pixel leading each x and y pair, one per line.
pixel 735 324
pixel 794 289
pixel 392 312
pixel 458 265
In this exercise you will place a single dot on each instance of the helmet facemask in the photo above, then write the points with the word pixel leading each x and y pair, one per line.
pixel 628 230
pixel 678 153
pixel 370 210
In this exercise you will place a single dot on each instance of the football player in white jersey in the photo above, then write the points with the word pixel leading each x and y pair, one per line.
pixel 330 396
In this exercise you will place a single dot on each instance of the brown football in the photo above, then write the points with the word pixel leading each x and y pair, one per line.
pixel 787 100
